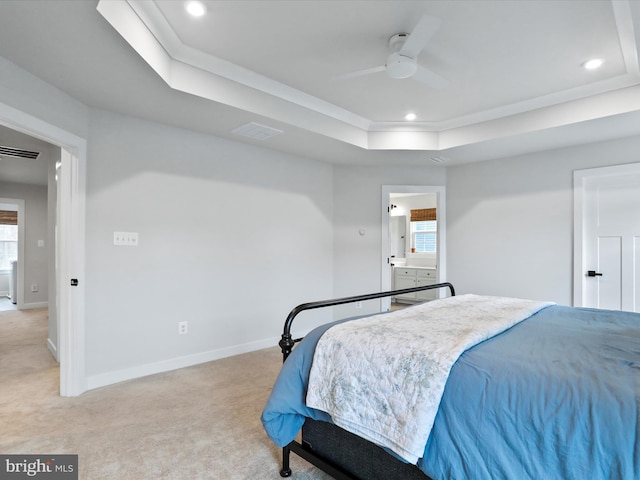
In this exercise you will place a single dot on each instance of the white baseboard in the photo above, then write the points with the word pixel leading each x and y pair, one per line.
pixel 52 348
pixel 25 306
pixel 109 378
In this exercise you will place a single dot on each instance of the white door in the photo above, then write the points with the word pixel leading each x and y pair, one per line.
pixel 69 273
pixel 397 236
pixel 610 263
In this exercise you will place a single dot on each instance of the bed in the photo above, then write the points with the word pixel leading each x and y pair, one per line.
pixel 554 394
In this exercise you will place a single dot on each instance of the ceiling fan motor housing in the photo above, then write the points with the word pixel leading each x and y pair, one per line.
pixel 398 65
pixel 397 41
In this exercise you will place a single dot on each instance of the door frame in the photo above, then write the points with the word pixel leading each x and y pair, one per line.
pixel 70 225
pixel 387 190
pixel 580 178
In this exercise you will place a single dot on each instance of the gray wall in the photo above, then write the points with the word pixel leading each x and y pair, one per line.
pixel 510 221
pixel 358 193
pixel 231 237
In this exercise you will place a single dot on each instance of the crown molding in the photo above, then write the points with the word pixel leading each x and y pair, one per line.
pixel 189 70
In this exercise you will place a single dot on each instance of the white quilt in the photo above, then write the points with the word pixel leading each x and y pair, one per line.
pixel 382 377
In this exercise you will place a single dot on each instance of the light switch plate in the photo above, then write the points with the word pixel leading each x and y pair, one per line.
pixel 125 239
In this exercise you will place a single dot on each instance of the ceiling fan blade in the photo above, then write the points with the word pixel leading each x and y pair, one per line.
pixel 420 36
pixel 430 78
pixel 360 73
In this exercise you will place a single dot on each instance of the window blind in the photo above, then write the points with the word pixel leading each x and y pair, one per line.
pixel 423 214
pixel 8 217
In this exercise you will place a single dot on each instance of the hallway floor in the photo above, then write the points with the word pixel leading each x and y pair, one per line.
pixel 5 304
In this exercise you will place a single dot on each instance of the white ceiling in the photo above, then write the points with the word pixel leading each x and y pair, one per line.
pixel 515 81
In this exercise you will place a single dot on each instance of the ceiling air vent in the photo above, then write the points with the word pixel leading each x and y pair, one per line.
pixel 438 159
pixel 17 153
pixel 256 131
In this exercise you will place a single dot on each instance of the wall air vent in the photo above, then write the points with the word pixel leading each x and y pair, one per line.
pixel 256 131
pixel 17 153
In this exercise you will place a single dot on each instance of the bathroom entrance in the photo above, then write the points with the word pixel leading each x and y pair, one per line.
pixel 412 243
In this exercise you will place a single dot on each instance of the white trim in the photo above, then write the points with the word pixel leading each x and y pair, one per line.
pixel 147 30
pixel 52 349
pixel 579 183
pixel 184 68
pixel 387 190
pixel 71 248
pixel 71 345
pixel 109 378
pixel 27 306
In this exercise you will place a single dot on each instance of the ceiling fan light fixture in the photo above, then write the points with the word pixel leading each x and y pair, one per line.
pixel 593 64
pixel 195 8
pixel 400 66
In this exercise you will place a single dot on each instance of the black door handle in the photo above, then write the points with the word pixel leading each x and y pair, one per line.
pixel 593 273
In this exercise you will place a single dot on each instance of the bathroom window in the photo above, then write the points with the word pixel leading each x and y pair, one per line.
pixel 8 245
pixel 424 236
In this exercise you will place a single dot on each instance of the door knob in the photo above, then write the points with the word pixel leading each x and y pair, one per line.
pixel 593 273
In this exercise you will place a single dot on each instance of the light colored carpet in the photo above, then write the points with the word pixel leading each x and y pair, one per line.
pixel 201 422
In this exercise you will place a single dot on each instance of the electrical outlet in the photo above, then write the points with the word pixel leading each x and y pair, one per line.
pixel 358 304
pixel 34 287
pixel 182 328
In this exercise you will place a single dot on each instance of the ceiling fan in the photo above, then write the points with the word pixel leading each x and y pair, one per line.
pixel 402 62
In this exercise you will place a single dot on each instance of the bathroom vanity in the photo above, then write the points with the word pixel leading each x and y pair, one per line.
pixel 408 277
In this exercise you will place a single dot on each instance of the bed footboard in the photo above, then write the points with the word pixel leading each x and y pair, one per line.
pixel 287 342
pixel 342 467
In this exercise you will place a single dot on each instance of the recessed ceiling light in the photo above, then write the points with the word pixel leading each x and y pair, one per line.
pixel 195 8
pixel 593 64
pixel 410 116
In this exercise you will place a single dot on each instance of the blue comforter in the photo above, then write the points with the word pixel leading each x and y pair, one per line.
pixel 554 397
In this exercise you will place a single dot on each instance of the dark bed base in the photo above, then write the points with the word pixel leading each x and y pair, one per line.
pixel 347 456
pixel 341 454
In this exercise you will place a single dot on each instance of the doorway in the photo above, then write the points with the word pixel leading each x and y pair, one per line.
pixel 607 237
pixel 388 192
pixel 69 261
pixel 16 287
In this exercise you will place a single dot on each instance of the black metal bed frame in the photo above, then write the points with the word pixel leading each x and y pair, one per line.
pixel 287 343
